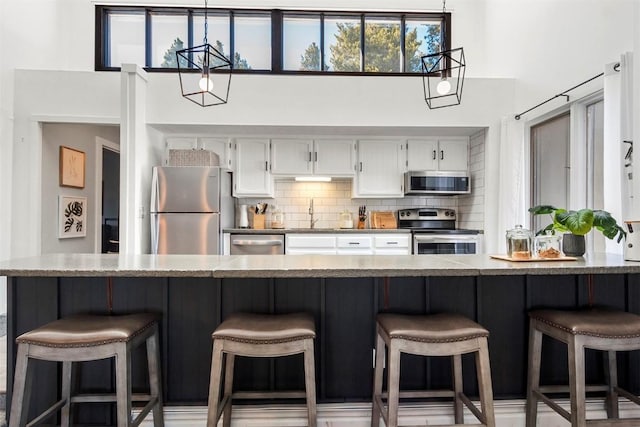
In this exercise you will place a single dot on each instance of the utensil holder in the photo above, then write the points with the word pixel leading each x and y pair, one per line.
pixel 361 223
pixel 258 221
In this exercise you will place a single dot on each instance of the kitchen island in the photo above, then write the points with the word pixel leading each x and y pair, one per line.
pixel 194 293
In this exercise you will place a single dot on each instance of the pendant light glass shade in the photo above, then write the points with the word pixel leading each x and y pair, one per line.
pixel 443 78
pixel 205 75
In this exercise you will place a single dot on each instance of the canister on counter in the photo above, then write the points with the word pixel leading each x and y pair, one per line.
pixel 519 243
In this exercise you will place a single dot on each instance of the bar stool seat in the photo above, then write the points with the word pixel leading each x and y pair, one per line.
pixel 260 335
pixel 595 328
pixel 444 334
pixel 85 338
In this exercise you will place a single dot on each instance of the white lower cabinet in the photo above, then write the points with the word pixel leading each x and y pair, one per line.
pixel 304 244
pixel 348 244
pixel 355 244
pixel 392 244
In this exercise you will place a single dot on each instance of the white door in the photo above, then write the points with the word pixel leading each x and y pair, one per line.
pixel 453 154
pixel 335 157
pixel 252 177
pixel 380 169
pixel 422 154
pixel 291 156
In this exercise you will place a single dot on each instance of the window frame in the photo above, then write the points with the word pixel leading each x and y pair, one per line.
pixel 277 42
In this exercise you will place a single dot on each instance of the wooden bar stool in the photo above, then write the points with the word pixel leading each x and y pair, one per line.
pixel 84 338
pixel 260 335
pixel 598 329
pixel 431 335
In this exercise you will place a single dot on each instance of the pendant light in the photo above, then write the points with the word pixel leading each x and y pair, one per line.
pixel 205 73
pixel 443 73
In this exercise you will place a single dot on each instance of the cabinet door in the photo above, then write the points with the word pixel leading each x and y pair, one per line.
pixel 422 154
pixel 392 244
pixel 453 154
pixel 380 168
pixel 301 244
pixel 335 157
pixel 252 177
pixel 291 156
pixel 220 146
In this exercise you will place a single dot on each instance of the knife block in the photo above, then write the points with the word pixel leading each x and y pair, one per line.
pixel 258 221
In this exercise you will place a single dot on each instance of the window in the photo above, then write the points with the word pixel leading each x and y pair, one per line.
pixel 271 41
pixel 126 39
pixel 301 43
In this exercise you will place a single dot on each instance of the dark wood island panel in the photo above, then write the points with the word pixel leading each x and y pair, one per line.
pixel 344 309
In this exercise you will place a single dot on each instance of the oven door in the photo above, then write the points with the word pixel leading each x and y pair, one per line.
pixel 440 244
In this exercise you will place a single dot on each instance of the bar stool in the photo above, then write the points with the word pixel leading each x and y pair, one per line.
pixel 260 335
pixel 84 338
pixel 599 329
pixel 431 335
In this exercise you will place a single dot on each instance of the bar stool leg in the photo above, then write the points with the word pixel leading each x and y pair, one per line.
pixel 577 382
pixel 310 382
pixel 393 372
pixel 123 387
pixel 214 384
pixel 153 363
pixel 377 381
pixel 533 381
pixel 228 389
pixel 457 388
pixel 67 368
pixel 612 381
pixel 21 388
pixel 483 371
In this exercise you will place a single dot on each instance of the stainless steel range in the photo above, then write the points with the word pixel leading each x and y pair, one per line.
pixel 434 232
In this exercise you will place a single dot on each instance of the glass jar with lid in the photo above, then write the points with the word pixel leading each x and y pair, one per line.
pixel 548 245
pixel 519 243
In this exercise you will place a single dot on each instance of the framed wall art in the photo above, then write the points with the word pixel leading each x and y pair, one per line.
pixel 72 217
pixel 72 164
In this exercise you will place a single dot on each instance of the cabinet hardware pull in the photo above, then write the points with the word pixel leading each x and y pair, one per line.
pixel 309 155
pixel 441 154
pixel 316 156
pixel 392 243
pixel 266 166
pixel 434 154
pixel 360 166
pixel 354 243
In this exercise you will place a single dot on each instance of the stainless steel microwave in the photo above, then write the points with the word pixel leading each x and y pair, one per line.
pixel 437 182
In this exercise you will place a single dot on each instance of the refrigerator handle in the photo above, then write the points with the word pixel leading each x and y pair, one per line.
pixel 154 191
pixel 155 224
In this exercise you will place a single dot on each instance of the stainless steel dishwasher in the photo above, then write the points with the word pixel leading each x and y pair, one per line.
pixel 257 244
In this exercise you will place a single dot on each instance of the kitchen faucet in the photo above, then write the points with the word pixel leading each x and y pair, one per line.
pixel 312 221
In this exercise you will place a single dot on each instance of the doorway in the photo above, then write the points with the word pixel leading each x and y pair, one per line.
pixel 110 200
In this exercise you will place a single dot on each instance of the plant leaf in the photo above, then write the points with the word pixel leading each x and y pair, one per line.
pixel 577 222
pixel 542 209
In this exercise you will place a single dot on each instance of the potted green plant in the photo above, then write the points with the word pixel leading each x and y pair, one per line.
pixel 575 224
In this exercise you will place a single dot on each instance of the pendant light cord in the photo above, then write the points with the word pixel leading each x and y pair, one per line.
pixel 444 26
pixel 206 23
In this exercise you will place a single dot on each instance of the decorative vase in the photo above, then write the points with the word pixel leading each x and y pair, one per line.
pixel 573 245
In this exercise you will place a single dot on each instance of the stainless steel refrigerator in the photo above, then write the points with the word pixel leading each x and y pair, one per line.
pixel 190 206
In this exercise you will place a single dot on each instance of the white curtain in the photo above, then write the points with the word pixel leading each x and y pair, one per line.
pixel 511 185
pixel 618 127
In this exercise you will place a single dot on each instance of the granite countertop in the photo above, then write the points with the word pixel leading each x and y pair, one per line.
pixel 246 266
pixel 315 230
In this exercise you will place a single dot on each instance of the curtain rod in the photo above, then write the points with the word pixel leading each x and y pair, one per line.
pixel 564 93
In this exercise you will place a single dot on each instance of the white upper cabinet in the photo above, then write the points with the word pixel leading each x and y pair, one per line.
pixel 296 157
pixel 335 157
pixel 380 168
pixel 450 154
pixel 251 173
pixel 220 146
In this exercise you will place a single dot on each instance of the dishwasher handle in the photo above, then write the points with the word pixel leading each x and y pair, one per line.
pixel 249 242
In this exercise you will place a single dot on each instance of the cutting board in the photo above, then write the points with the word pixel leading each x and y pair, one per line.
pixel 383 219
